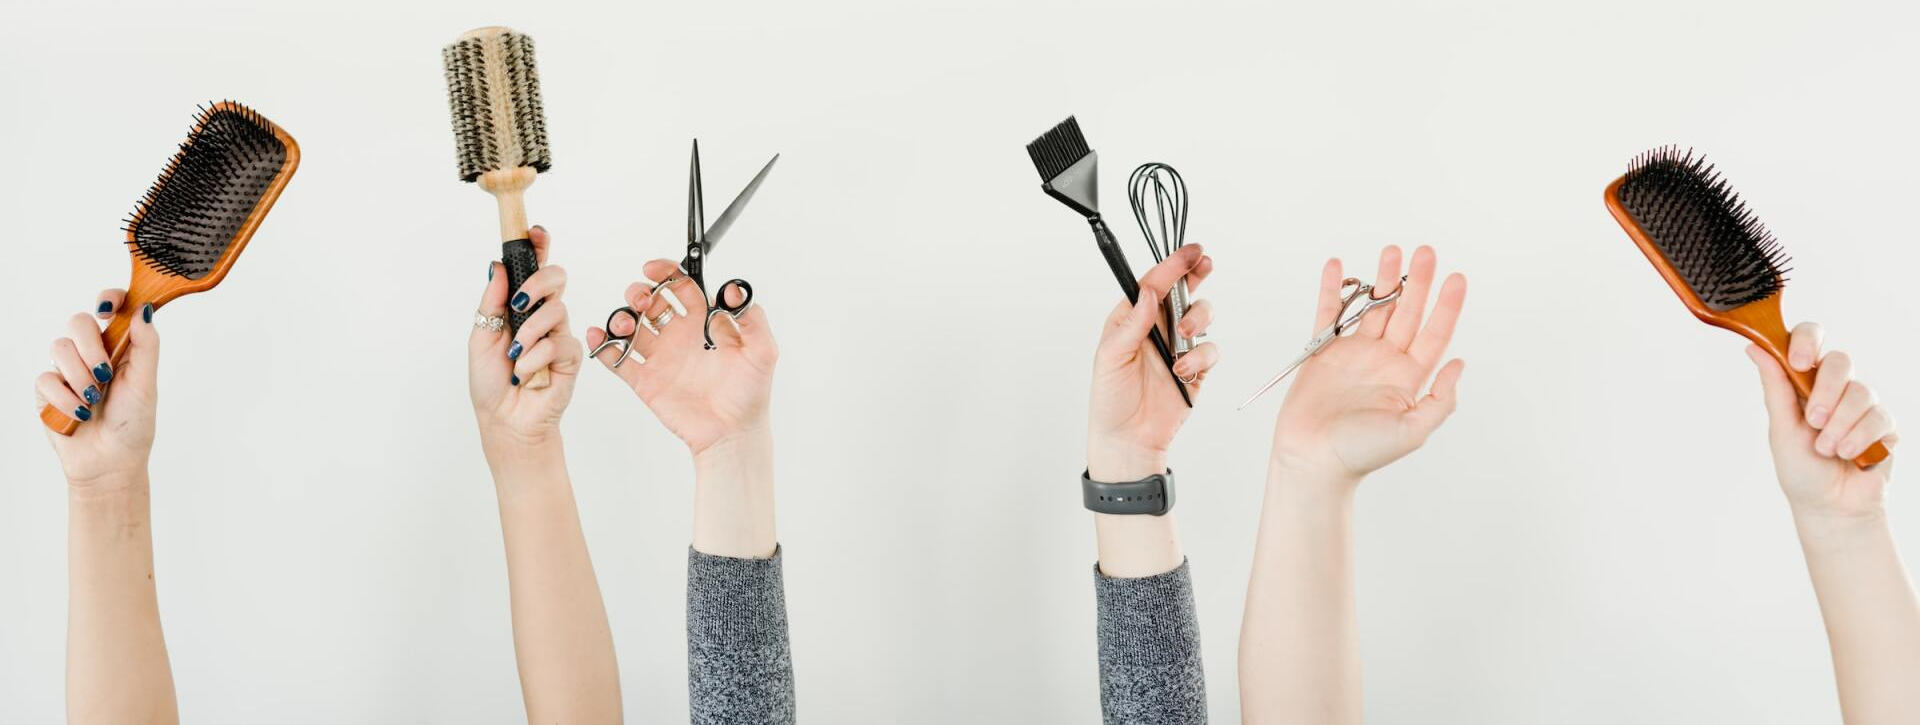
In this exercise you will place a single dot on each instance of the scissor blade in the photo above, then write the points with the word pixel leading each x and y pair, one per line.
pixel 719 228
pixel 696 206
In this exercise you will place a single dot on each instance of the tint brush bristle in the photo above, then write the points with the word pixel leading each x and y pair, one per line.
pixel 1058 148
pixel 1722 252
pixel 191 215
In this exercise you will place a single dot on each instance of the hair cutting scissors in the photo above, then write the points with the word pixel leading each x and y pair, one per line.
pixel 700 241
pixel 1353 292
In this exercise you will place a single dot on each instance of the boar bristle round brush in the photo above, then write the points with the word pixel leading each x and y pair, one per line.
pixel 500 133
pixel 191 225
pixel 1713 251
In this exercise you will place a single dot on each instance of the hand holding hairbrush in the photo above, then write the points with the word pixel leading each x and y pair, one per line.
pixel 1721 261
pixel 190 227
pixel 500 133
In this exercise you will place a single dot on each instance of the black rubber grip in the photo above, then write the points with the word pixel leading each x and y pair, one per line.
pixel 521 263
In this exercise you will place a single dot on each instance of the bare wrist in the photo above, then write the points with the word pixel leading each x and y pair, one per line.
pixel 1115 462
pixel 1822 531
pixel 1309 486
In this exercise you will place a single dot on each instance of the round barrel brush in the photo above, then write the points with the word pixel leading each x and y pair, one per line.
pixel 500 133
pixel 191 225
pixel 1722 262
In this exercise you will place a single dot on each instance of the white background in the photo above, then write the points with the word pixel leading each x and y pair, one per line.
pixel 1595 537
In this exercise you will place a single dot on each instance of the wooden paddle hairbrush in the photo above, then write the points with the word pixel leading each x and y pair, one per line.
pixel 1723 263
pixel 193 222
pixel 500 132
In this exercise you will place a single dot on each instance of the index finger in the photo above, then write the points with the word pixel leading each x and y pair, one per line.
pixel 109 302
pixel 1177 265
pixel 1331 282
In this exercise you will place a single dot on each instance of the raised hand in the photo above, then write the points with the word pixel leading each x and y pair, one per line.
pixel 115 437
pixel 1135 410
pixel 705 397
pixel 498 361
pixel 1356 406
pixel 1814 444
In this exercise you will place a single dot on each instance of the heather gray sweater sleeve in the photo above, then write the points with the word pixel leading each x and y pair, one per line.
pixel 1150 670
pixel 739 670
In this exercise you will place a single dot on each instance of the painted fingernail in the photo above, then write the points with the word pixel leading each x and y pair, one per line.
pixel 516 380
pixel 1817 415
pixel 513 351
pixel 106 306
pixel 541 228
pixel 103 372
pixel 520 301
pixel 91 395
pixel 489 271
pixel 146 313
pixel 83 414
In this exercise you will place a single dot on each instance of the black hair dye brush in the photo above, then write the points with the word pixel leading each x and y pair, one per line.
pixel 1725 266
pixel 1070 169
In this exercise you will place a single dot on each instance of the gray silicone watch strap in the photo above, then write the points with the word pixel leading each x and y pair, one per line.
pixel 1152 495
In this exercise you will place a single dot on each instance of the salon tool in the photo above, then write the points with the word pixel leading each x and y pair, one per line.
pixel 191 225
pixel 1070 169
pixel 1722 262
pixel 500 135
pixel 700 242
pixel 1159 199
pixel 1352 292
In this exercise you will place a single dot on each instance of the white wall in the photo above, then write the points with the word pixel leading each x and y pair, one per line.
pixel 1595 538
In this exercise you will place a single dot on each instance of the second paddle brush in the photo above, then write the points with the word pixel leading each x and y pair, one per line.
pixel 500 133
pixel 1726 267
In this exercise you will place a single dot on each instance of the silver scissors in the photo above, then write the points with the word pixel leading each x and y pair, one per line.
pixel 1353 292
pixel 700 241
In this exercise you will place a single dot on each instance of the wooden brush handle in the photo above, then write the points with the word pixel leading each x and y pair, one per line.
pixel 1762 323
pixel 115 340
pixel 516 254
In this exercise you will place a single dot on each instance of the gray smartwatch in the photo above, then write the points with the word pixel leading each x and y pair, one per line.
pixel 1152 495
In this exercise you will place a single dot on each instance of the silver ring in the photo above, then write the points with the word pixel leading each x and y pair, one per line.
pixel 490 323
pixel 1201 336
pixel 1197 377
pixel 666 315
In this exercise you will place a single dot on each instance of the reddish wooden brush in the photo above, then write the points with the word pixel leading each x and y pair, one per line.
pixel 1725 266
pixel 193 222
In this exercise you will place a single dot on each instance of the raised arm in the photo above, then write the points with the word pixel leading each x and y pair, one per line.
pixel 1150 667
pixel 117 669
pixel 1866 598
pixel 1352 409
pixel 560 635
pixel 739 664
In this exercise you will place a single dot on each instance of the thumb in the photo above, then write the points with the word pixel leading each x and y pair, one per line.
pixel 1427 415
pixel 142 363
pixel 1132 330
pixel 1783 404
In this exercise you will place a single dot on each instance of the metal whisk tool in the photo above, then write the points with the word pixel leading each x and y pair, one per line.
pixel 1159 198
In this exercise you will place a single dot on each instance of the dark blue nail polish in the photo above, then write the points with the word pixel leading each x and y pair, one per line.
pixel 105 307
pixel 82 413
pixel 91 395
pixel 513 351
pixel 489 271
pixel 103 372
pixel 516 380
pixel 146 313
pixel 520 301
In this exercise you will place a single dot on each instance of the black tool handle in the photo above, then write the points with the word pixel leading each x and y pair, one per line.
pixel 521 263
pixel 1117 261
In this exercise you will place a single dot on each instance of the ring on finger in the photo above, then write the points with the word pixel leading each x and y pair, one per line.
pixel 490 323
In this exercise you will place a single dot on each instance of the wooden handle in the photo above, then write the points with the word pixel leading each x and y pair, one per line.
pixel 1762 323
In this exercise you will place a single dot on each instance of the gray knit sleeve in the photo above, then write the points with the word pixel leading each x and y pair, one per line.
pixel 1150 669
pixel 739 669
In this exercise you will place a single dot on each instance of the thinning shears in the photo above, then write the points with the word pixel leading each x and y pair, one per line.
pixel 700 242
pixel 1356 300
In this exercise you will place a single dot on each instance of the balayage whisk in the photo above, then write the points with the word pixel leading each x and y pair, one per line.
pixel 1159 198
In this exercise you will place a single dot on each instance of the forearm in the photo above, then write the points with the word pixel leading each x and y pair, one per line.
pixel 560 634
pixel 1132 546
pixel 1299 643
pixel 733 497
pixel 117 669
pixel 1872 617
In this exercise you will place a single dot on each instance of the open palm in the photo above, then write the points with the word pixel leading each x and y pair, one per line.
pixel 1356 406
pixel 703 396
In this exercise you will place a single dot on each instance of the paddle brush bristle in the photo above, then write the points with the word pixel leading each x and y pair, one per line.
pixel 1716 245
pixel 190 217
